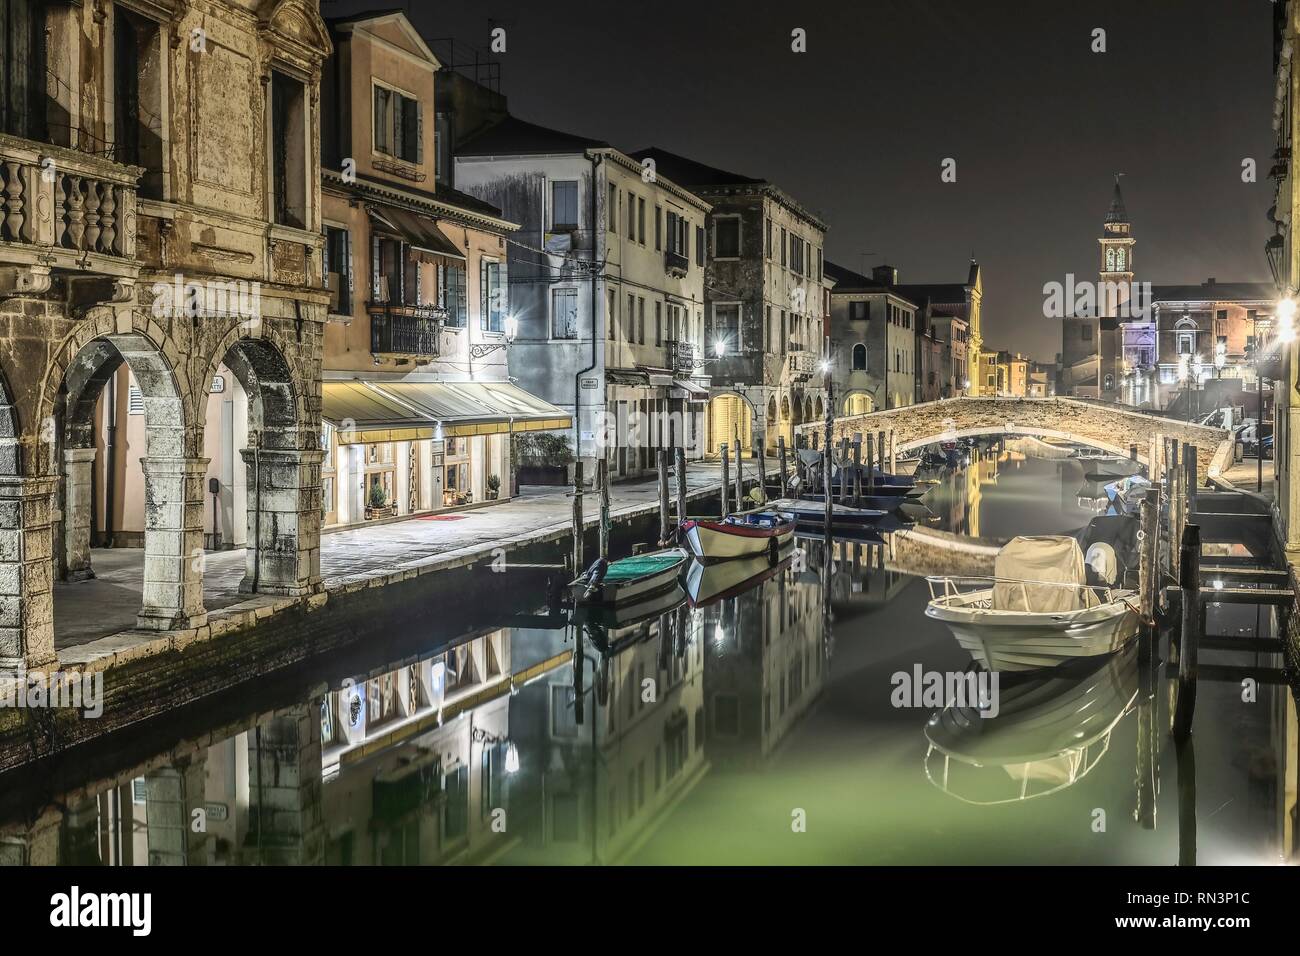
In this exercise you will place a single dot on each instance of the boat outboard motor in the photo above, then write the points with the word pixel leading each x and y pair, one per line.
pixel 1102 564
pixel 594 576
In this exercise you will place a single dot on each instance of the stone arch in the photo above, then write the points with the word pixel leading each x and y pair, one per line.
pixel 819 410
pixel 730 411
pixel 173 533
pixel 282 462
pixel 857 402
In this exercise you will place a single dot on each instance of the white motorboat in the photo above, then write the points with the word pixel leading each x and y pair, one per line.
pixel 1107 466
pixel 737 536
pixel 1039 609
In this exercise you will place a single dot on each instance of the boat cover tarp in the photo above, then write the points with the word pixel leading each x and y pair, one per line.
pixel 629 569
pixel 1043 558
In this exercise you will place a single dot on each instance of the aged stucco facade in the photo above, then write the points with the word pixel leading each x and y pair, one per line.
pixel 171 147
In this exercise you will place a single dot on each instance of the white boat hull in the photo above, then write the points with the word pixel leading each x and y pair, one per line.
pixel 1019 641
pixel 710 545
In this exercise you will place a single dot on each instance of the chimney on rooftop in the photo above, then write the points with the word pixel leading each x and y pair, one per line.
pixel 885 275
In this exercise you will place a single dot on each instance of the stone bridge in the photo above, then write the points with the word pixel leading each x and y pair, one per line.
pixel 1111 428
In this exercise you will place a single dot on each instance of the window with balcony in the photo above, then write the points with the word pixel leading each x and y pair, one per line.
pixel 564 313
pixel 726 237
pixel 22 68
pixel 495 302
pixel 338 269
pixel 564 206
pixel 137 98
pixel 288 150
pixel 399 125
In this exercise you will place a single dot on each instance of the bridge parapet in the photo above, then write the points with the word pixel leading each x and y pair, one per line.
pixel 1107 427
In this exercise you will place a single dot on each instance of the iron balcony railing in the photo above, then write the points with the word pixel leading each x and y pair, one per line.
pixel 405 329
pixel 675 263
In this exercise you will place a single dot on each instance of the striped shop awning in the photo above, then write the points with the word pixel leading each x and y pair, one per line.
pixel 367 411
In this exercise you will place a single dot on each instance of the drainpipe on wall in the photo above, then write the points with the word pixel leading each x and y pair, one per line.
pixel 595 315
pixel 257 511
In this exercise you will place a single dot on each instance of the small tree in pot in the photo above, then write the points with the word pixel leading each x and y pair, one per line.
pixel 378 507
pixel 493 487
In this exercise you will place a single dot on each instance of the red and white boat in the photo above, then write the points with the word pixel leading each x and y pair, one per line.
pixel 737 536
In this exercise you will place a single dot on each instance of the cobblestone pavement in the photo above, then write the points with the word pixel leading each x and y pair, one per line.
pixel 1245 474
pixel 86 610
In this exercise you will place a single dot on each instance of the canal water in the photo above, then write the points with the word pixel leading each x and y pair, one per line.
pixel 752 721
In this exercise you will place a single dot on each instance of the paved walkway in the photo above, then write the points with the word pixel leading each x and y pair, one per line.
pixel 1244 476
pixel 88 610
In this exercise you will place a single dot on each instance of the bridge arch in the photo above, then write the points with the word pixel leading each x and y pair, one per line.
pixel 1111 428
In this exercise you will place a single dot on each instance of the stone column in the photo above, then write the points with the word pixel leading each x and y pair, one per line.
pixel 285 816
pixel 77 464
pixel 284 518
pixel 172 795
pixel 26 572
pixel 35 843
pixel 173 544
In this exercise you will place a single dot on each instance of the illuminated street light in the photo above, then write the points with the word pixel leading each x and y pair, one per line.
pixel 720 348
pixel 1286 320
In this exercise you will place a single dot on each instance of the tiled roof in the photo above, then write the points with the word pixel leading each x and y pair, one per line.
pixel 514 137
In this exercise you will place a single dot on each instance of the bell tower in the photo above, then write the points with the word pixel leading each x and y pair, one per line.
pixel 1116 271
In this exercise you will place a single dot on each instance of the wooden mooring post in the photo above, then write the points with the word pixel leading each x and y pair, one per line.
pixel 1189 479
pixel 893 452
pixel 577 518
pixel 602 474
pixel 663 498
pixel 740 480
pixel 871 463
pixel 780 457
pixel 857 470
pixel 724 452
pixel 1149 554
pixel 762 467
pixel 680 468
pixel 1193 623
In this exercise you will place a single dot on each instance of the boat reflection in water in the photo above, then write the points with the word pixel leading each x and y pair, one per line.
pixel 1051 729
pixel 685 731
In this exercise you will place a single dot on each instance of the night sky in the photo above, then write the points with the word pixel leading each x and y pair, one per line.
pixel 857 127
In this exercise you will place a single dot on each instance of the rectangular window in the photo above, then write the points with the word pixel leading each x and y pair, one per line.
pixel 338 269
pixel 495 294
pixel 564 313
pixel 398 125
pixel 611 209
pixel 699 246
pixel 137 87
pixel 564 206
pixel 631 318
pixel 783 247
pixel 612 315
pixel 23 78
pixel 640 221
pixel 767 240
pixel 726 237
pixel 659 324
pixel 726 329
pixel 640 325
pixel 858 310
pixel 631 216
pixel 288 150
pixel 451 295
pixel 659 229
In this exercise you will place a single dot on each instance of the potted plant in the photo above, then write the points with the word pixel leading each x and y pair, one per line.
pixel 544 459
pixel 378 506
pixel 493 487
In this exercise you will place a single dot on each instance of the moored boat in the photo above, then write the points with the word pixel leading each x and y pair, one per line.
pixel 1107 466
pixel 1040 608
pixel 738 535
pixel 629 579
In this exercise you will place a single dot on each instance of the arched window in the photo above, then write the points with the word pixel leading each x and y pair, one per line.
pixel 1121 257
pixel 859 358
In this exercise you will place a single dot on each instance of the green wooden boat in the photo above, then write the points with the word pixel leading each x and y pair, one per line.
pixel 629 579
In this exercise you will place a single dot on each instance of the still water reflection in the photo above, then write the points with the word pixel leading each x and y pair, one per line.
pixel 746 721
